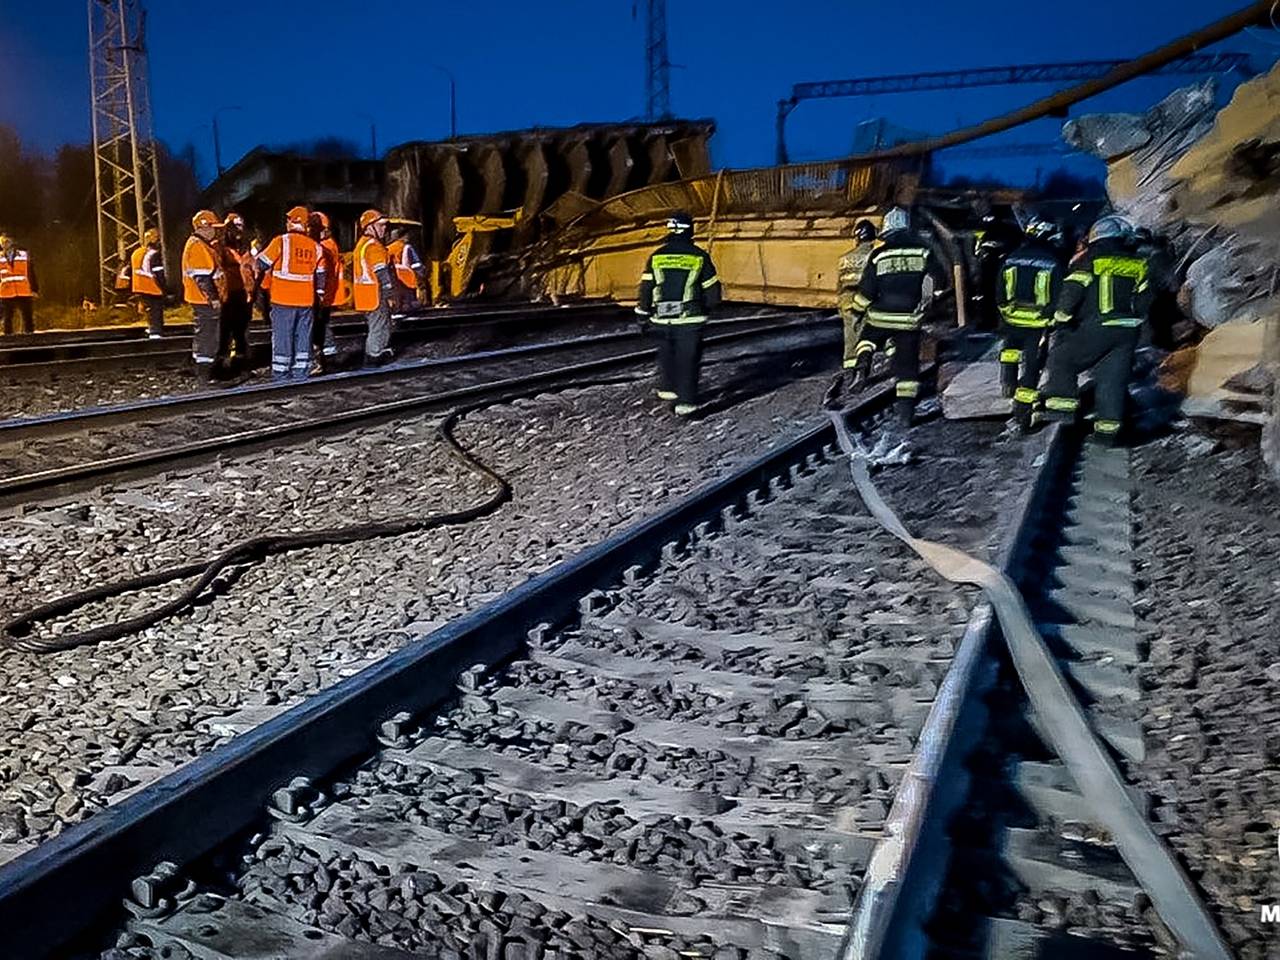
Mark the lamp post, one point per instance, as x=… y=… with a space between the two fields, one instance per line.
x=217 y=139
x=453 y=99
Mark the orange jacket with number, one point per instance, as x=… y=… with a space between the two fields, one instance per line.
x=297 y=269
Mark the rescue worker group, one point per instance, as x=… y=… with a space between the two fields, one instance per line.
x=1060 y=318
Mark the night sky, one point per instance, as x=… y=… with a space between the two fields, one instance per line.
x=302 y=70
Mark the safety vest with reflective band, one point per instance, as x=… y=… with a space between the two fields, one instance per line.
x=679 y=284
x=370 y=254
x=1108 y=286
x=892 y=289
x=200 y=259
x=143 y=263
x=332 y=270
x=1029 y=283
x=405 y=260
x=849 y=272
x=15 y=276
x=297 y=269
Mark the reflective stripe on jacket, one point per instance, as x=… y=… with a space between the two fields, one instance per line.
x=297 y=269
x=15 y=275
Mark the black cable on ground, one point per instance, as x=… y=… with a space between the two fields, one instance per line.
x=17 y=633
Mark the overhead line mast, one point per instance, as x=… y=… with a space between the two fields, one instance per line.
x=126 y=166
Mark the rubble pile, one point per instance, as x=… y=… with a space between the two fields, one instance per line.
x=1208 y=182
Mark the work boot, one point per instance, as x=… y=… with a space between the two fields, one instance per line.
x=1022 y=418
x=685 y=409
x=904 y=411
x=831 y=399
x=861 y=374
x=1008 y=380
x=666 y=395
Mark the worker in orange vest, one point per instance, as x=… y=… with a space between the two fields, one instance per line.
x=146 y=269
x=18 y=287
x=296 y=264
x=322 y=341
x=408 y=266
x=374 y=282
x=237 y=264
x=204 y=287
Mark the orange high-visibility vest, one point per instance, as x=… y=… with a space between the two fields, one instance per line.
x=295 y=262
x=404 y=258
x=369 y=255
x=200 y=259
x=15 y=275
x=333 y=270
x=143 y=263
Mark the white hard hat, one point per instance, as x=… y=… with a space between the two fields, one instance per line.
x=897 y=219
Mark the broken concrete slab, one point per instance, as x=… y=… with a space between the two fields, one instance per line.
x=974 y=393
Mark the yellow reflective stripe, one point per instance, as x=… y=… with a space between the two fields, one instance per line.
x=679 y=320
x=1026 y=395
x=646 y=275
x=1064 y=404
x=1122 y=322
x=1061 y=317
x=1106 y=426
x=708 y=284
x=676 y=261
x=1043 y=277
x=1023 y=317
x=908 y=388
x=1132 y=267
x=1010 y=356
x=864 y=346
x=861 y=301
x=893 y=321
x=1080 y=277
x=1010 y=282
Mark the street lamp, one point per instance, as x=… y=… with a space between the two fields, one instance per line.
x=217 y=140
x=453 y=99
x=373 y=135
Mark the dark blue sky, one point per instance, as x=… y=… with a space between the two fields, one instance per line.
x=305 y=69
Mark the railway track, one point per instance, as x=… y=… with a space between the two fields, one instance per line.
x=60 y=453
x=753 y=725
x=38 y=354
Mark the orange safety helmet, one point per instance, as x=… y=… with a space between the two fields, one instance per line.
x=320 y=219
x=297 y=218
x=369 y=218
x=205 y=218
x=234 y=220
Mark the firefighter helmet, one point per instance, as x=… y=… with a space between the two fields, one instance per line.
x=897 y=219
x=864 y=231
x=1110 y=227
x=680 y=223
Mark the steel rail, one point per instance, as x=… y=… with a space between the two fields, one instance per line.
x=62 y=480
x=31 y=351
x=53 y=424
x=219 y=795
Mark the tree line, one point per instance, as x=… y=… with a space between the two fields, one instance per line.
x=48 y=205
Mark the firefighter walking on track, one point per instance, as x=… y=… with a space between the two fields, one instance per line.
x=678 y=289
x=1029 y=282
x=1100 y=313
x=849 y=273
x=893 y=295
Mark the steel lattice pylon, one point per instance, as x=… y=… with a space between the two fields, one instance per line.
x=125 y=165
x=658 y=67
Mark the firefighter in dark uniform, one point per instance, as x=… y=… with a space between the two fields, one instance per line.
x=1099 y=318
x=1029 y=283
x=678 y=288
x=849 y=273
x=893 y=295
